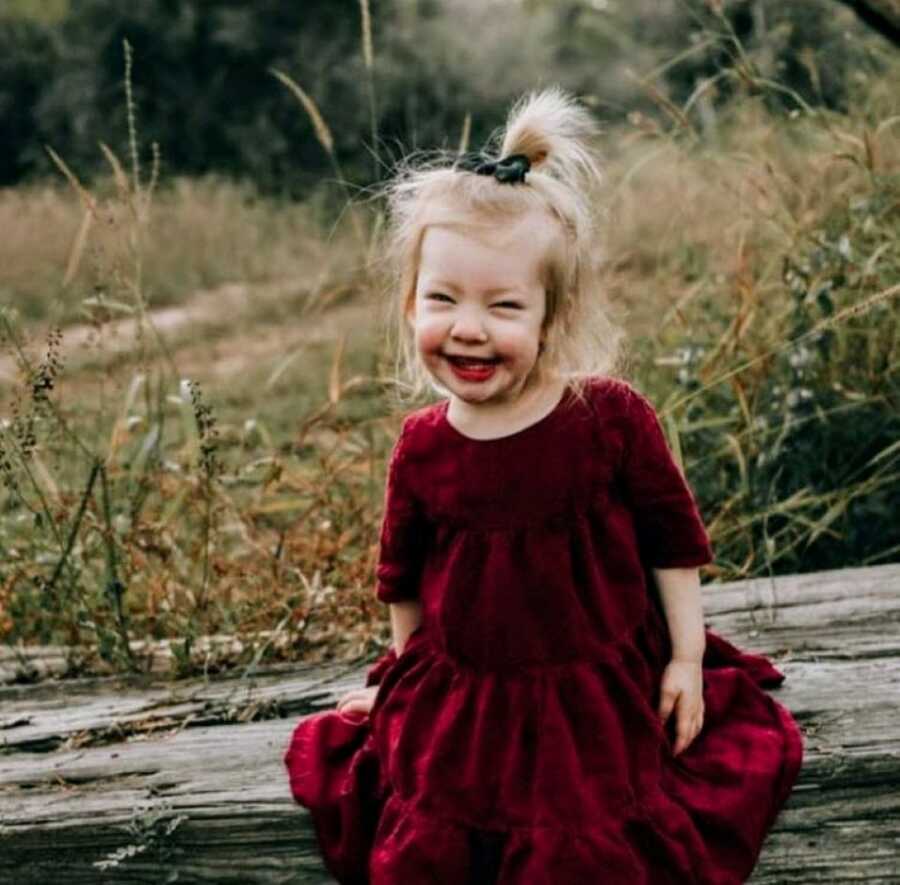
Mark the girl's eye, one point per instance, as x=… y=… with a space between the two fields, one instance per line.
x=509 y=304
x=437 y=296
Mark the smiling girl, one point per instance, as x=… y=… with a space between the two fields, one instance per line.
x=553 y=710
x=477 y=319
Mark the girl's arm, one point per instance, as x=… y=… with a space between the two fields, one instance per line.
x=673 y=543
x=402 y=543
x=679 y=589
x=681 y=687
x=405 y=617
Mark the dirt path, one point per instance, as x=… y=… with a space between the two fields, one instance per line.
x=221 y=332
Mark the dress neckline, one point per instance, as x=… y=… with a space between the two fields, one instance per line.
x=445 y=406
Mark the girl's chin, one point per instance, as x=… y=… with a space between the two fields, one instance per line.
x=475 y=394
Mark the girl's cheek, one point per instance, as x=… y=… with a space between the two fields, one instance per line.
x=428 y=337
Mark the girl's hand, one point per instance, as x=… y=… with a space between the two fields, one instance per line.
x=681 y=688
x=359 y=700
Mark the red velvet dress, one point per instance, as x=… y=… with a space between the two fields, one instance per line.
x=516 y=740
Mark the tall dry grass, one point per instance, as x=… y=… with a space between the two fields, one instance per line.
x=131 y=520
x=760 y=272
x=688 y=220
x=757 y=270
x=200 y=233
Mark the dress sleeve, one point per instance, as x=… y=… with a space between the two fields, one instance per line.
x=403 y=533
x=670 y=531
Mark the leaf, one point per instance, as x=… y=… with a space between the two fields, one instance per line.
x=78 y=248
x=323 y=133
x=334 y=378
x=45 y=477
x=118 y=172
x=121 y=307
x=86 y=198
x=674 y=438
x=282 y=366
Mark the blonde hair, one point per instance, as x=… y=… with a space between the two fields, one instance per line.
x=556 y=134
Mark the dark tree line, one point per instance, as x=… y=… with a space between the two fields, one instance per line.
x=203 y=90
x=201 y=84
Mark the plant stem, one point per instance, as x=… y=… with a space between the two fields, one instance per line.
x=114 y=587
x=73 y=532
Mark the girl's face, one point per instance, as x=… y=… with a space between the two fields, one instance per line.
x=478 y=311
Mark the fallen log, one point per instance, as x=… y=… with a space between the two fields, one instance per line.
x=121 y=780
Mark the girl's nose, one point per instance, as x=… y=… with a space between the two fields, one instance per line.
x=468 y=327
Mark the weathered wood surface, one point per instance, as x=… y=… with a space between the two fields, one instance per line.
x=184 y=783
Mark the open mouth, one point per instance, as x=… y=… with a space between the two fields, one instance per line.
x=472 y=368
x=472 y=361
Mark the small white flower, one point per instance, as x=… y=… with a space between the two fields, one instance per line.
x=795 y=397
x=844 y=247
x=800 y=356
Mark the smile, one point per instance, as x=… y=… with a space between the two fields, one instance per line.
x=472 y=369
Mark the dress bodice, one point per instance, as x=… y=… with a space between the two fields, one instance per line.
x=543 y=534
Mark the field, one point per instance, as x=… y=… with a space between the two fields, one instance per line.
x=199 y=399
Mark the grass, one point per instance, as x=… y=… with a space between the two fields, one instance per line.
x=762 y=273
x=218 y=469
x=200 y=234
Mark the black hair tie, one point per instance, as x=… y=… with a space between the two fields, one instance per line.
x=508 y=170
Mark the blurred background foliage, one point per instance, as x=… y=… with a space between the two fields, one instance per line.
x=204 y=92
x=751 y=251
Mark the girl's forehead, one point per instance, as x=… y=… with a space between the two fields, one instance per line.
x=495 y=232
x=512 y=252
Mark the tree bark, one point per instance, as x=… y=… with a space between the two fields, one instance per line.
x=120 y=781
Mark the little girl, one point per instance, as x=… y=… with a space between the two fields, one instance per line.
x=553 y=710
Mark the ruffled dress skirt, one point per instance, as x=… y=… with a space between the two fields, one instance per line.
x=548 y=775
